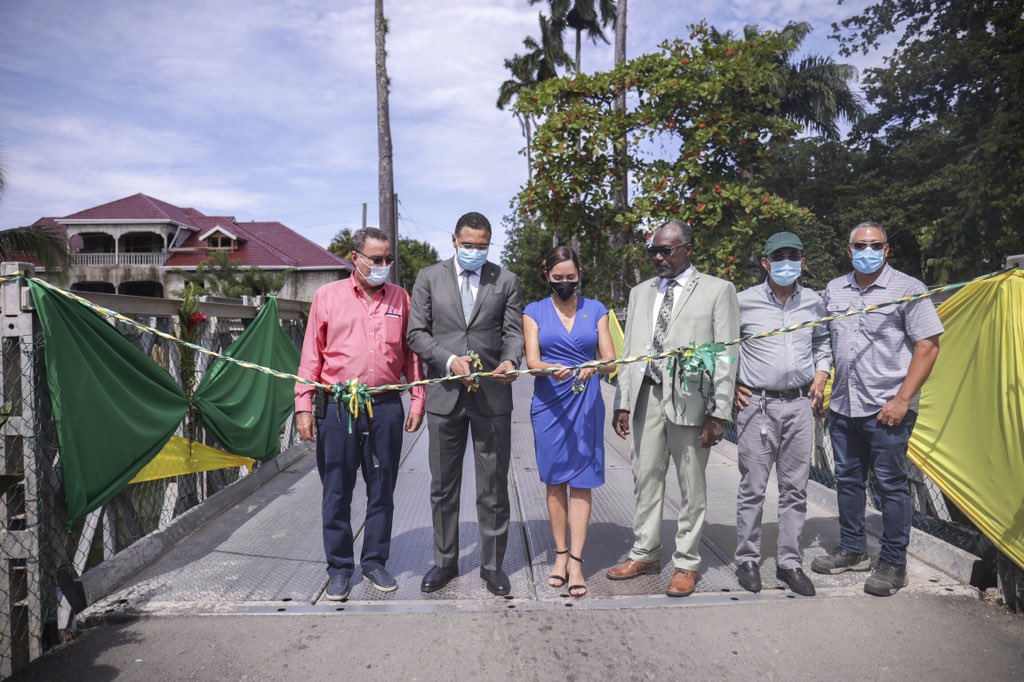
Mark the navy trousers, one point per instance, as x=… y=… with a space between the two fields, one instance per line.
x=339 y=457
x=862 y=444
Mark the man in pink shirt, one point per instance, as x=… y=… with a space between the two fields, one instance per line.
x=357 y=330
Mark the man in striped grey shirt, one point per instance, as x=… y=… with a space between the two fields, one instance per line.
x=780 y=380
x=882 y=358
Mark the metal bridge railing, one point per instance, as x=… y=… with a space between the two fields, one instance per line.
x=39 y=559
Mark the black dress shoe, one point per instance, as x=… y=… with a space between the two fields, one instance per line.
x=437 y=577
x=797 y=580
x=749 y=576
x=497 y=581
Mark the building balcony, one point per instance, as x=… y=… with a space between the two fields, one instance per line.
x=151 y=258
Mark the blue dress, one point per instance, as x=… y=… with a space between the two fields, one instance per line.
x=568 y=428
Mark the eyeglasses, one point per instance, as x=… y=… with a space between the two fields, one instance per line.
x=663 y=251
x=783 y=254
x=378 y=260
x=474 y=247
x=860 y=246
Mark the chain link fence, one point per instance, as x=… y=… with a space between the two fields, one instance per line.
x=40 y=559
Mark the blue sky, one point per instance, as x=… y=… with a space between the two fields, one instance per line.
x=265 y=109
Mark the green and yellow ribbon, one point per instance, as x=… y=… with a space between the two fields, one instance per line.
x=691 y=359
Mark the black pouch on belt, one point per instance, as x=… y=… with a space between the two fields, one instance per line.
x=320 y=403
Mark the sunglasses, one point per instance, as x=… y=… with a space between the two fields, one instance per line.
x=860 y=246
x=378 y=260
x=663 y=251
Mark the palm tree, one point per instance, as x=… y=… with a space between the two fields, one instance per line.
x=590 y=16
x=385 y=164
x=37 y=242
x=815 y=91
x=540 y=63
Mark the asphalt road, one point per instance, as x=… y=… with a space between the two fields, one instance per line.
x=910 y=636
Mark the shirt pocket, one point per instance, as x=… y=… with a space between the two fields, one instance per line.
x=394 y=327
x=884 y=323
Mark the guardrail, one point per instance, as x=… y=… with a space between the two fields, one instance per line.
x=39 y=560
x=148 y=258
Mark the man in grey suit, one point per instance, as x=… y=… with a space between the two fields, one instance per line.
x=670 y=420
x=459 y=305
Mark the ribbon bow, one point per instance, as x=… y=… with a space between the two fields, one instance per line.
x=476 y=366
x=355 y=396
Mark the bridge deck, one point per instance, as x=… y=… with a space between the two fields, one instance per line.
x=265 y=555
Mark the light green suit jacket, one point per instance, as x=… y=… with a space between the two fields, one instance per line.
x=707 y=311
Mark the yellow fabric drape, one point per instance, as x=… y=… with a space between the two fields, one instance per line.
x=176 y=460
x=618 y=337
x=969 y=436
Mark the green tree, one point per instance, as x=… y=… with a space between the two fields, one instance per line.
x=416 y=255
x=815 y=91
x=218 y=275
x=943 y=169
x=703 y=111
x=540 y=62
x=582 y=16
x=341 y=244
x=42 y=243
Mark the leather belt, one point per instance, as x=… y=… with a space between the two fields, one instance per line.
x=784 y=394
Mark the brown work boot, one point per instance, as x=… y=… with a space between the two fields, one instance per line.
x=631 y=569
x=682 y=584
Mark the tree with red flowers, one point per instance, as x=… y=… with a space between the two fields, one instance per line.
x=703 y=116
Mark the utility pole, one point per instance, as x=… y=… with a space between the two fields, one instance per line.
x=395 y=246
x=364 y=215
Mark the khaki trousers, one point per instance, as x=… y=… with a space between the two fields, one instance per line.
x=655 y=441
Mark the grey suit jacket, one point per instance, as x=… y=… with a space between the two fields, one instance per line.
x=707 y=311
x=438 y=330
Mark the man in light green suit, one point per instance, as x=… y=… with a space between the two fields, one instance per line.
x=668 y=420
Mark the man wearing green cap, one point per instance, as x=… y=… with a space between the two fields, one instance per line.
x=780 y=382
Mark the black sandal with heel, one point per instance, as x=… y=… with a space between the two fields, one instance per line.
x=563 y=579
x=577 y=594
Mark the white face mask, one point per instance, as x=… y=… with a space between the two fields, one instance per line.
x=378 y=273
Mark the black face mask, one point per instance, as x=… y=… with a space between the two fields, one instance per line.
x=565 y=290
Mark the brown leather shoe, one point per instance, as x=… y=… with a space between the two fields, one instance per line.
x=683 y=583
x=631 y=569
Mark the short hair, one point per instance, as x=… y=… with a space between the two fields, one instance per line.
x=685 y=230
x=361 y=235
x=866 y=224
x=554 y=256
x=475 y=221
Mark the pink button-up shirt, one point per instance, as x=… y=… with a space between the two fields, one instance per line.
x=348 y=336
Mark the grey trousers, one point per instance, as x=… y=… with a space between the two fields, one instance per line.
x=492 y=447
x=780 y=433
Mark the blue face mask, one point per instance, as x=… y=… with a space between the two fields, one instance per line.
x=471 y=259
x=785 y=272
x=868 y=261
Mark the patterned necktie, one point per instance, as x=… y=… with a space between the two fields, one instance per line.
x=467 y=296
x=656 y=369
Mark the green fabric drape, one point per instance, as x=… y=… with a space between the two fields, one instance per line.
x=114 y=408
x=244 y=409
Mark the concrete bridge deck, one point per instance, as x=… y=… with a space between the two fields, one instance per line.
x=258 y=569
x=265 y=555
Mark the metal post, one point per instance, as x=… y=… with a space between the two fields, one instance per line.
x=29 y=510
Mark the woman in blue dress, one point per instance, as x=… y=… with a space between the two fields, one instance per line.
x=562 y=330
